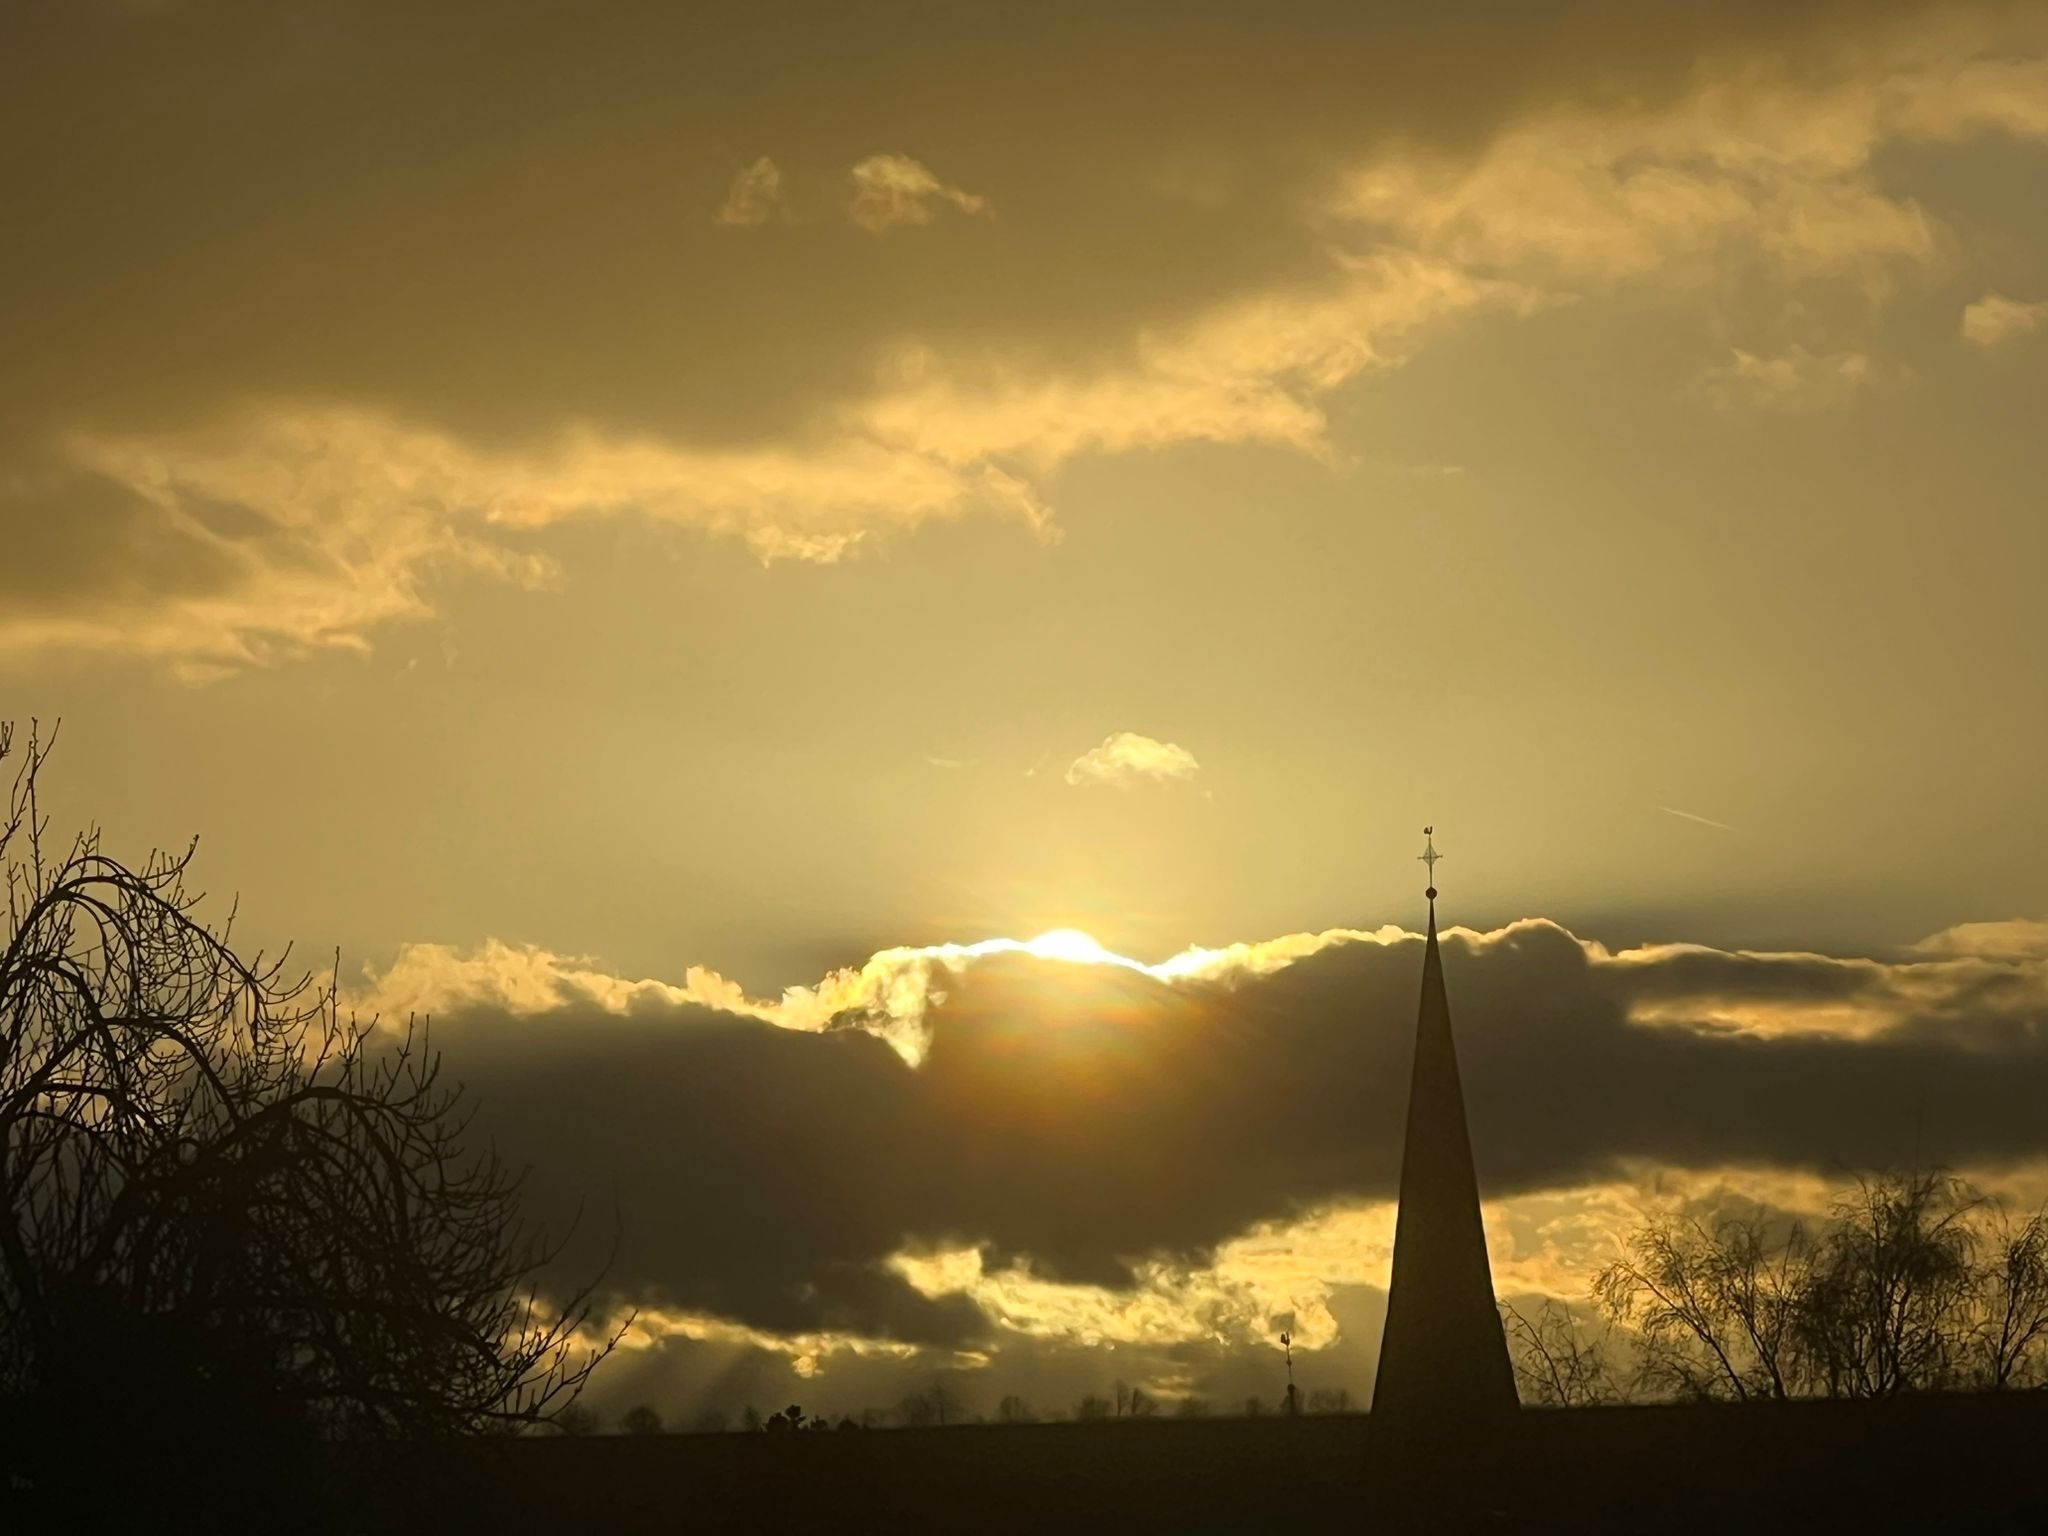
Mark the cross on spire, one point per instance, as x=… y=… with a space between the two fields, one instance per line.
x=1429 y=856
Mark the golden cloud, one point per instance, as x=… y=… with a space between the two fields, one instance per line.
x=1751 y=166
x=1793 y=380
x=809 y=1353
x=374 y=508
x=2013 y=938
x=1750 y=161
x=892 y=191
x=310 y=549
x=1281 y=1274
x=1994 y=319
x=755 y=196
x=889 y=995
x=1770 y=994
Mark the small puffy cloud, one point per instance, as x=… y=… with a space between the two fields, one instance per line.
x=1994 y=319
x=890 y=191
x=1127 y=758
x=1794 y=380
x=756 y=196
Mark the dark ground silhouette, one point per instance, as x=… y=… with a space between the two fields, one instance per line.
x=1942 y=1463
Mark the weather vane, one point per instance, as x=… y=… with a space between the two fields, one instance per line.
x=1429 y=856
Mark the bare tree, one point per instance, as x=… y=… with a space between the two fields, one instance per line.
x=2011 y=1334
x=1014 y=1410
x=213 y=1189
x=1558 y=1363
x=1892 y=1287
x=1717 y=1309
x=1914 y=1282
x=919 y=1410
x=641 y=1420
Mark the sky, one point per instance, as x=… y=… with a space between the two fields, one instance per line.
x=679 y=540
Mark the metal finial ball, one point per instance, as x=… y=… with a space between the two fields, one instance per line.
x=1430 y=893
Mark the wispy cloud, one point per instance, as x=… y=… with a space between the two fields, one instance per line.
x=1792 y=380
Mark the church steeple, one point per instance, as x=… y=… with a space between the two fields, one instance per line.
x=1443 y=1352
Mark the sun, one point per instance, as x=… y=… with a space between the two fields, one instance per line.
x=1069 y=944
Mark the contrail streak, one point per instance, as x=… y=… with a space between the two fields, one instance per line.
x=1705 y=821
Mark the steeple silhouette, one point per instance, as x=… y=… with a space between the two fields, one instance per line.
x=1443 y=1353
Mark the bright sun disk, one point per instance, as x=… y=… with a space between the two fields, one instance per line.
x=1069 y=944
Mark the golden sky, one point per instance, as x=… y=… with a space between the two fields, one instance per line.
x=557 y=495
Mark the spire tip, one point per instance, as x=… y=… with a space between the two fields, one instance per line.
x=1429 y=856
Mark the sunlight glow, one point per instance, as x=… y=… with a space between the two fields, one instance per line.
x=1073 y=945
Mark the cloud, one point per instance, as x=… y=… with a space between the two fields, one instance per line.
x=887 y=996
x=376 y=509
x=892 y=191
x=1250 y=369
x=1994 y=319
x=1751 y=171
x=2016 y=938
x=119 y=551
x=1793 y=380
x=1756 y=163
x=755 y=196
x=790 y=1167
x=292 y=530
x=1126 y=759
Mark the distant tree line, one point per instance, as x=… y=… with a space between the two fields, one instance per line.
x=1912 y=1282
x=936 y=1406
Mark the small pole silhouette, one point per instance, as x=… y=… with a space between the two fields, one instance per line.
x=1287 y=1345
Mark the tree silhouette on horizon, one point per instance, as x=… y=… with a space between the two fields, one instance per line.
x=230 y=1215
